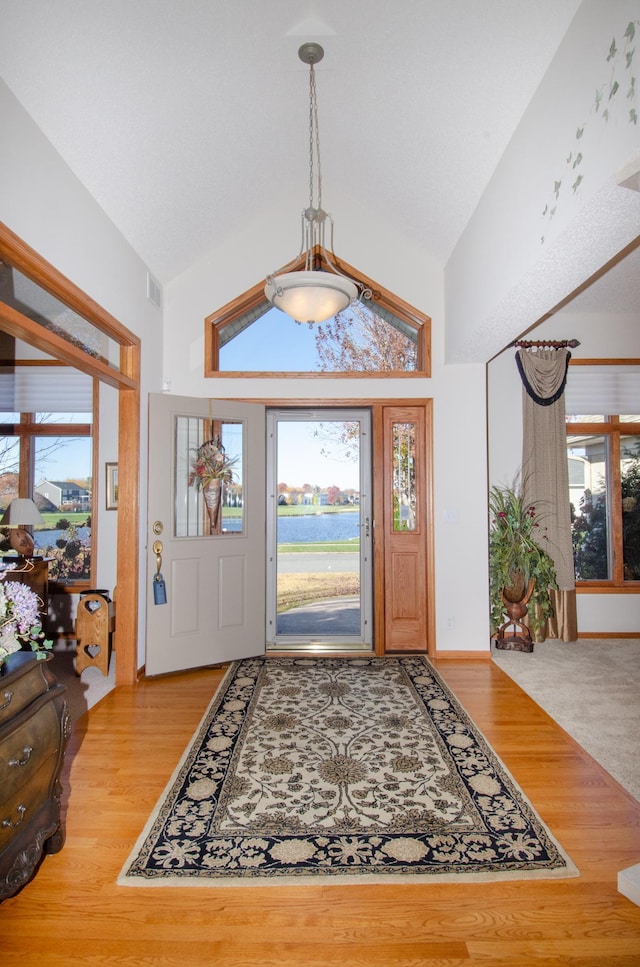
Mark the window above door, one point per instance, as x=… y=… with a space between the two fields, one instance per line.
x=378 y=336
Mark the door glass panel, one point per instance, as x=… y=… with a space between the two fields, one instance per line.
x=208 y=482
x=404 y=476
x=318 y=531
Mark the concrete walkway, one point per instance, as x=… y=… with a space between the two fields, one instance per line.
x=337 y=616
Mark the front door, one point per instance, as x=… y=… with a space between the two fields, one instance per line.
x=205 y=565
x=319 y=530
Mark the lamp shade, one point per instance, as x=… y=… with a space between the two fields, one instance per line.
x=310 y=296
x=21 y=513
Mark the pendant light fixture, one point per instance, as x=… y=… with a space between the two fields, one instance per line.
x=311 y=294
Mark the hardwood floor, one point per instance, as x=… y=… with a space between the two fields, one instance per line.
x=121 y=756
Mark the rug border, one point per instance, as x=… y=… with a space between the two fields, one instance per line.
x=123 y=879
x=568 y=872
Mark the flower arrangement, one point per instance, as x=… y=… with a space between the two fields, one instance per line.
x=20 y=621
x=211 y=463
x=516 y=553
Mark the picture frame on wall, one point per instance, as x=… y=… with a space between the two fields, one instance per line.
x=112 y=485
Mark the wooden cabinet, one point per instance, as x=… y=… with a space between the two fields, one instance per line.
x=34 y=730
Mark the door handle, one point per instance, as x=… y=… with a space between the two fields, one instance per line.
x=157 y=550
x=366 y=527
x=159 y=586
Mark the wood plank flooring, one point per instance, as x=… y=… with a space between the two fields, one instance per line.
x=121 y=756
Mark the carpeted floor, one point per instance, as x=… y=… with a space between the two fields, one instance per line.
x=591 y=687
x=313 y=770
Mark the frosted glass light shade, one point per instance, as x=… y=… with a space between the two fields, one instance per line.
x=310 y=296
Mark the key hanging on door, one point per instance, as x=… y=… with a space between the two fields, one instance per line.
x=159 y=587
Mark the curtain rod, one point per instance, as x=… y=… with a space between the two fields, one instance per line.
x=554 y=343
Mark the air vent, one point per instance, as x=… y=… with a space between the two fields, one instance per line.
x=154 y=291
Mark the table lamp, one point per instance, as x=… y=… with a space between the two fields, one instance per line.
x=20 y=514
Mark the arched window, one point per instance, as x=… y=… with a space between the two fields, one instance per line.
x=381 y=335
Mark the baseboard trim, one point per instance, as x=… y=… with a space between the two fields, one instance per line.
x=462 y=655
x=608 y=634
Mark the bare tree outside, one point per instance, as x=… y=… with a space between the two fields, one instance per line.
x=358 y=340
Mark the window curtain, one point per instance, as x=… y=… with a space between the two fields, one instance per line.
x=545 y=478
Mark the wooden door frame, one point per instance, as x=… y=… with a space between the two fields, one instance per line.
x=126 y=380
x=377 y=408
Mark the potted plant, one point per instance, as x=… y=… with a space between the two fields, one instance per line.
x=20 y=620
x=210 y=468
x=521 y=571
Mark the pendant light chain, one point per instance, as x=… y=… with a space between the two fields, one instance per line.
x=319 y=291
x=314 y=139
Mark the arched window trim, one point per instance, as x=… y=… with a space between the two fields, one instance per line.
x=254 y=299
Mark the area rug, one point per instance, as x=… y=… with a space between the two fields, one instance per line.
x=333 y=770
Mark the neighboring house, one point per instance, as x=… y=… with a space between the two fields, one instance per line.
x=319 y=499
x=64 y=494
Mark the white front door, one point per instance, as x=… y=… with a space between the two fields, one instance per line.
x=213 y=574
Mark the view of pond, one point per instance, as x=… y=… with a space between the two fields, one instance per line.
x=48 y=538
x=309 y=528
x=305 y=529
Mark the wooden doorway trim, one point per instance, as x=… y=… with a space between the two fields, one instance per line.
x=17 y=253
x=403 y=529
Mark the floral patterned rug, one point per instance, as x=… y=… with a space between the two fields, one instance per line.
x=338 y=769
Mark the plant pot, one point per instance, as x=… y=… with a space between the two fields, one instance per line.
x=513 y=635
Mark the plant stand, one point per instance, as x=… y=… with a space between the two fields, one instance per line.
x=520 y=637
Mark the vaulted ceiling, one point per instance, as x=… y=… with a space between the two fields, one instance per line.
x=187 y=118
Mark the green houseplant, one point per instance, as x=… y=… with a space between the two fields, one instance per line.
x=517 y=558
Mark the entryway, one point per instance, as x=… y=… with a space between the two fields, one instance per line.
x=215 y=606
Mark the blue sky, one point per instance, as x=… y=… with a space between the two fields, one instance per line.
x=71 y=461
x=272 y=343
x=300 y=460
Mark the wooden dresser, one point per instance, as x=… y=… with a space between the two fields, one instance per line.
x=34 y=731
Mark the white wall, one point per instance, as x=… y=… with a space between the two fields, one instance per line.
x=44 y=203
x=515 y=262
x=458 y=391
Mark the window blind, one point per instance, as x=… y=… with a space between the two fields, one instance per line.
x=603 y=391
x=45 y=389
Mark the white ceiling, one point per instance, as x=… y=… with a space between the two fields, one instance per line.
x=185 y=119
